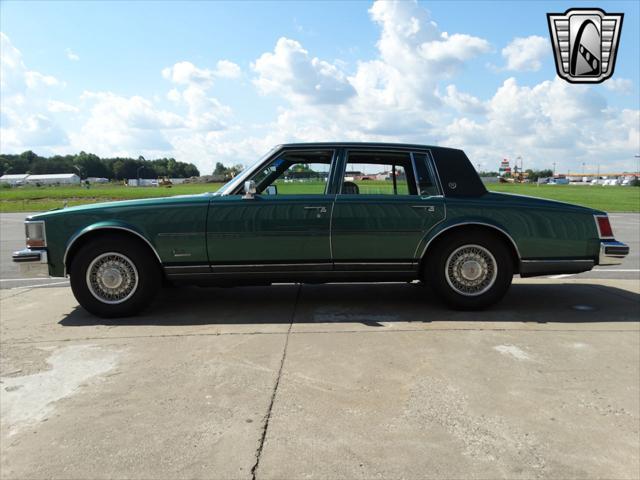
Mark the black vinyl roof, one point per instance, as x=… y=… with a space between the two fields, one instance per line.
x=359 y=144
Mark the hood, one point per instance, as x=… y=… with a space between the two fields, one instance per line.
x=122 y=204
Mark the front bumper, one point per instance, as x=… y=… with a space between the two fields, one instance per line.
x=33 y=263
x=612 y=252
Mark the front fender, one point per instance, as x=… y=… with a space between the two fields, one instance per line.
x=115 y=225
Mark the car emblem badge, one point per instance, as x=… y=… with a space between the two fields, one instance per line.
x=585 y=43
x=452 y=185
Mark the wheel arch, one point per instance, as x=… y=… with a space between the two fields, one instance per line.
x=90 y=232
x=473 y=226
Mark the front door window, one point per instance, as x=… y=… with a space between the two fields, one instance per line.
x=295 y=173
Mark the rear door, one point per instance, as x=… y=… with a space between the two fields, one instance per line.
x=286 y=224
x=387 y=202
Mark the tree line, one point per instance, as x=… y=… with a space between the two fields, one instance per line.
x=90 y=165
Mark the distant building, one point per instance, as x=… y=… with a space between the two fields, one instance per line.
x=142 y=182
x=54 y=179
x=97 y=180
x=14 y=179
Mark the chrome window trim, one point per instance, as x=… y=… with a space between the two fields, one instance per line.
x=44 y=230
x=415 y=173
x=424 y=251
x=77 y=236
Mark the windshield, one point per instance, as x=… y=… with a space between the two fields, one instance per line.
x=230 y=185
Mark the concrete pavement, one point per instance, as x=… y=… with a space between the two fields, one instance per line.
x=333 y=381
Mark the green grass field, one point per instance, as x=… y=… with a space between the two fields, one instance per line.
x=32 y=199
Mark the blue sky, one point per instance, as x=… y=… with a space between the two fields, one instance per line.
x=145 y=78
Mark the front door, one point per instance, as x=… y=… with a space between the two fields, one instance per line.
x=387 y=203
x=285 y=224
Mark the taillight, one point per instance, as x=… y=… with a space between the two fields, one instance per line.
x=604 y=227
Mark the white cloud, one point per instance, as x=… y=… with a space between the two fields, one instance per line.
x=619 y=85
x=37 y=79
x=227 y=69
x=289 y=71
x=186 y=73
x=526 y=54
x=119 y=125
x=71 y=55
x=406 y=92
x=56 y=106
x=551 y=121
x=463 y=102
x=23 y=103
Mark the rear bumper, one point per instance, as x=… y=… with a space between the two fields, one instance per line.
x=34 y=263
x=612 y=252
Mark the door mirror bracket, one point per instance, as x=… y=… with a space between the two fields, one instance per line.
x=249 y=190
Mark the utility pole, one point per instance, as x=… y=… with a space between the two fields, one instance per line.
x=583 y=169
x=554 y=169
x=638 y=164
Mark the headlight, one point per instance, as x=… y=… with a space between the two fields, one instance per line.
x=35 y=234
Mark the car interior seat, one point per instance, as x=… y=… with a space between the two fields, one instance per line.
x=350 y=188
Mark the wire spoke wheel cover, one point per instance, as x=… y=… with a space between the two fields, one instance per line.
x=471 y=270
x=112 y=278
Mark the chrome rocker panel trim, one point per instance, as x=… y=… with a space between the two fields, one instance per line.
x=536 y=268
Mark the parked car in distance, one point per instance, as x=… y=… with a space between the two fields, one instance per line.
x=323 y=212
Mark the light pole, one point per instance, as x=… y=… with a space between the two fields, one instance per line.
x=638 y=164
x=554 y=169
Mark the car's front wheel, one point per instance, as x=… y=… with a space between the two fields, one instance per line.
x=470 y=271
x=114 y=276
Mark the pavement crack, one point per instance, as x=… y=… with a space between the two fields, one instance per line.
x=267 y=417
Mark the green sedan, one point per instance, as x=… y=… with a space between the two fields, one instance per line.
x=322 y=212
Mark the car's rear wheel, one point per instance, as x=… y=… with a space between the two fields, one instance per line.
x=114 y=276
x=470 y=271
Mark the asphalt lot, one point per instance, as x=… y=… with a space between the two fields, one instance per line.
x=327 y=381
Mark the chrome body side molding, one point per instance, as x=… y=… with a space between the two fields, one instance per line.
x=536 y=268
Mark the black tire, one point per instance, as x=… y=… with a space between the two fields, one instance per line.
x=445 y=275
x=126 y=259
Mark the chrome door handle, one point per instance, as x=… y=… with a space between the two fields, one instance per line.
x=320 y=209
x=428 y=208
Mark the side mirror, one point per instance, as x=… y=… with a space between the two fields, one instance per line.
x=249 y=189
x=271 y=190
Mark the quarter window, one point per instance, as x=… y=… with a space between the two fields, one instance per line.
x=426 y=182
x=378 y=173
